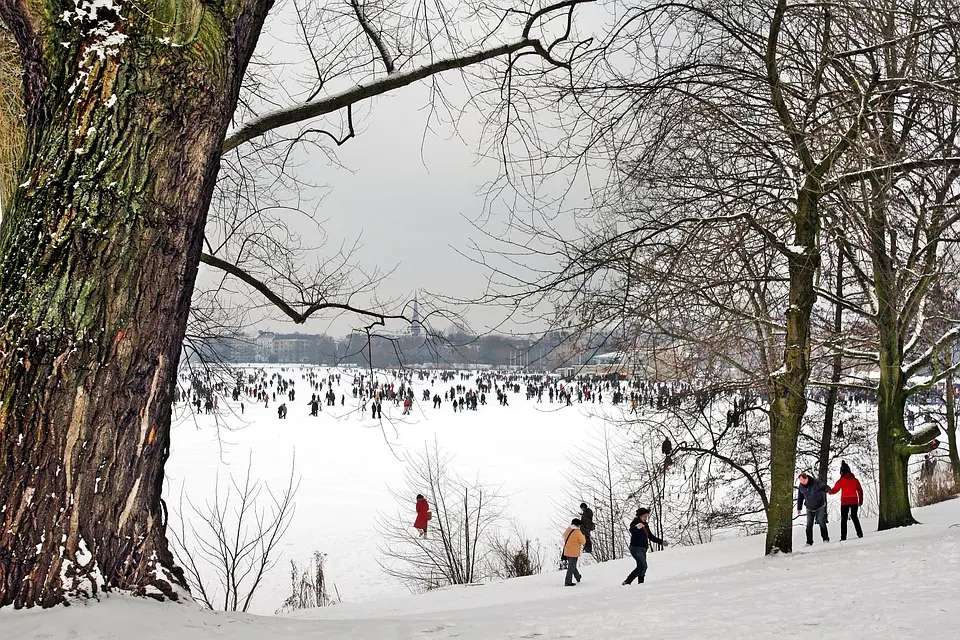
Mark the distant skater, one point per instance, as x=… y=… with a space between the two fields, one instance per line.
x=640 y=537
x=851 y=499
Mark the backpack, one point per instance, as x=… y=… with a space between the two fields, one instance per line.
x=563 y=557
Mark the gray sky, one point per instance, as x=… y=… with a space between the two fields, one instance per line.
x=409 y=192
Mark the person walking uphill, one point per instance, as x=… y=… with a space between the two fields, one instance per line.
x=587 y=526
x=814 y=493
x=640 y=537
x=423 y=515
x=573 y=539
x=851 y=498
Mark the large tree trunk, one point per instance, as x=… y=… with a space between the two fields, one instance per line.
x=894 y=489
x=788 y=402
x=891 y=400
x=895 y=444
x=99 y=254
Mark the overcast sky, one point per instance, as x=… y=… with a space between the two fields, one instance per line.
x=409 y=192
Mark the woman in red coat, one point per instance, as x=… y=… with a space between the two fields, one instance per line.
x=851 y=497
x=423 y=515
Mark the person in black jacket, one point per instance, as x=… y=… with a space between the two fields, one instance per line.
x=587 y=526
x=640 y=537
x=814 y=493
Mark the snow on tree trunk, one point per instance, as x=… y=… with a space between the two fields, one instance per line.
x=895 y=444
x=788 y=403
x=99 y=253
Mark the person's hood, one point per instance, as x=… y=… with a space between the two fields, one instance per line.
x=848 y=475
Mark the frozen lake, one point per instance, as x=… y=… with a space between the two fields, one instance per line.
x=348 y=464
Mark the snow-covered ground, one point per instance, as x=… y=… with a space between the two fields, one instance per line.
x=899 y=584
x=348 y=464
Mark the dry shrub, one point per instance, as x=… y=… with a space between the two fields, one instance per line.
x=308 y=586
x=936 y=487
x=515 y=557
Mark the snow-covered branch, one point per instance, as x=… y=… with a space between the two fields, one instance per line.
x=912 y=368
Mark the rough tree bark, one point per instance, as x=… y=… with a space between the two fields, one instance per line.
x=895 y=444
x=98 y=257
x=788 y=402
x=11 y=106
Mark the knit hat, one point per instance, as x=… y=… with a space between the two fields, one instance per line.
x=844 y=467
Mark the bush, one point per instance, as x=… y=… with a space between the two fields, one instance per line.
x=466 y=519
x=308 y=586
x=935 y=487
x=515 y=558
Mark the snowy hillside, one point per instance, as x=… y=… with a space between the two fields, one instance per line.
x=899 y=584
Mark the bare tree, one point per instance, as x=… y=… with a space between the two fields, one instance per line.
x=466 y=519
x=308 y=585
x=514 y=555
x=600 y=476
x=229 y=543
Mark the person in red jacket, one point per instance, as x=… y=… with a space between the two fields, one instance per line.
x=851 y=498
x=423 y=515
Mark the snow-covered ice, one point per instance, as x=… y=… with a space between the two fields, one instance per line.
x=899 y=584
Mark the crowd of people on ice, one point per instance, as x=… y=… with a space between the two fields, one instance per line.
x=464 y=391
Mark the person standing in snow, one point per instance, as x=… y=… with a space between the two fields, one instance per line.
x=640 y=537
x=814 y=493
x=851 y=498
x=587 y=526
x=573 y=539
x=423 y=515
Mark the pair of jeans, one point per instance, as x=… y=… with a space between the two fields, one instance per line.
x=820 y=517
x=571 y=571
x=851 y=511
x=640 y=557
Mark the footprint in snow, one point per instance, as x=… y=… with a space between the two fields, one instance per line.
x=436 y=629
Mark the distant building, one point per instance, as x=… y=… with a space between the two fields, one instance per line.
x=294 y=348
